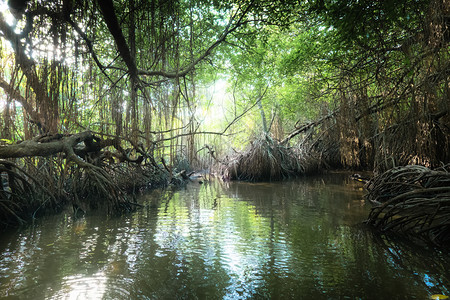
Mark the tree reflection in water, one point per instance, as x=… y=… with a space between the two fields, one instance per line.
x=302 y=238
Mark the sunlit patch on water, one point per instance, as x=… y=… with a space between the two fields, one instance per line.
x=80 y=286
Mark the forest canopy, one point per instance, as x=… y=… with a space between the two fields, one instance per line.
x=177 y=85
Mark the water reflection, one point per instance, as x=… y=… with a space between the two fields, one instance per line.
x=300 y=239
x=82 y=287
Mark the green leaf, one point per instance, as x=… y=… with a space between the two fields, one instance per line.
x=9 y=142
x=438 y=296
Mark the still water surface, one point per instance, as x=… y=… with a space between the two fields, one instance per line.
x=300 y=239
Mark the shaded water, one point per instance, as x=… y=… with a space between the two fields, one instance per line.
x=301 y=239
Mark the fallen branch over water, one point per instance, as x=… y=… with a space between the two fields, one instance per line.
x=412 y=200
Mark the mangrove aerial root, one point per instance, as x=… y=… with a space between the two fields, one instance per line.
x=93 y=173
x=264 y=159
x=21 y=194
x=412 y=200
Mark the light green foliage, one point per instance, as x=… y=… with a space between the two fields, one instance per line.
x=296 y=59
x=291 y=63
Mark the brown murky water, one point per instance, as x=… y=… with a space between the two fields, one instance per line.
x=300 y=239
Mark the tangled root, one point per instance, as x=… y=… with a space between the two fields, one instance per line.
x=412 y=200
x=264 y=159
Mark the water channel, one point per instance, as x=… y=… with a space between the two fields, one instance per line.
x=301 y=239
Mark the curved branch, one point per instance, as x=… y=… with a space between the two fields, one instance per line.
x=89 y=45
x=185 y=70
x=107 y=9
x=37 y=148
x=14 y=93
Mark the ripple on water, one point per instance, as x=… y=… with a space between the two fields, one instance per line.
x=96 y=286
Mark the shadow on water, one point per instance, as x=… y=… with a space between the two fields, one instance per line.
x=290 y=240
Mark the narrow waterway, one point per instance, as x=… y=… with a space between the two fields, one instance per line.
x=301 y=239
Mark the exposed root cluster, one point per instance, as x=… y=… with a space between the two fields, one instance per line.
x=412 y=200
x=264 y=159
x=21 y=195
x=133 y=178
x=79 y=169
